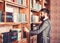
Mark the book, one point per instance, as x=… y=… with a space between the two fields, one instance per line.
x=19 y=2
x=19 y=32
x=0 y=16
x=9 y=8
x=9 y=17
x=15 y=17
x=31 y=3
x=37 y=6
x=22 y=18
x=34 y=18
x=24 y=2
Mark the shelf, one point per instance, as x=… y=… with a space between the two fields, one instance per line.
x=34 y=10
x=15 y=4
x=7 y=23
x=11 y=23
x=22 y=6
x=36 y=22
x=2 y=23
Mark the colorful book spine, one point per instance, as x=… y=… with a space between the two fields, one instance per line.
x=19 y=2
x=0 y=16
x=22 y=18
x=15 y=17
x=24 y=2
x=35 y=18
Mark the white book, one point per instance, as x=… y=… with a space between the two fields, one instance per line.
x=8 y=8
x=19 y=2
x=24 y=2
x=40 y=7
x=15 y=17
x=34 y=4
x=22 y=18
x=35 y=18
x=31 y=6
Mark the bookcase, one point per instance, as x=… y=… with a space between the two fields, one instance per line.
x=21 y=13
x=35 y=7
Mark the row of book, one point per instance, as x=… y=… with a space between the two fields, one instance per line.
x=21 y=2
x=34 y=18
x=35 y=5
x=10 y=17
x=14 y=34
x=13 y=14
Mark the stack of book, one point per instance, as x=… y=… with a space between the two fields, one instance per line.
x=9 y=17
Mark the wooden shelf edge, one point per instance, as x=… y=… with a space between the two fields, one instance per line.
x=11 y=23
x=36 y=22
x=34 y=10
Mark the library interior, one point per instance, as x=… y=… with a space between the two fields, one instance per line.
x=17 y=14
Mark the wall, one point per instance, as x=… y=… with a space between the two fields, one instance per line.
x=55 y=21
